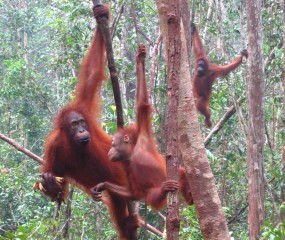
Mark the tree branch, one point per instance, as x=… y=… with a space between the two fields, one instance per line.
x=153 y=70
x=21 y=148
x=104 y=28
x=152 y=229
x=116 y=20
x=236 y=217
x=231 y=111
x=135 y=21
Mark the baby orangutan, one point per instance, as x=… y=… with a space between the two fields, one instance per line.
x=145 y=166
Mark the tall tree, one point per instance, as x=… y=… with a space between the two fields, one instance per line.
x=190 y=139
x=255 y=93
x=173 y=48
x=203 y=188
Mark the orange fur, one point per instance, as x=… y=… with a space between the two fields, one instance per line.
x=87 y=165
x=202 y=84
x=145 y=166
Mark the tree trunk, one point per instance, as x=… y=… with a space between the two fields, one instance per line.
x=255 y=95
x=67 y=214
x=283 y=148
x=173 y=49
x=185 y=15
x=204 y=192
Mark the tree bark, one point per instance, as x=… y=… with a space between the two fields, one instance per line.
x=185 y=15
x=173 y=48
x=208 y=206
x=67 y=215
x=21 y=149
x=256 y=87
x=204 y=192
x=104 y=27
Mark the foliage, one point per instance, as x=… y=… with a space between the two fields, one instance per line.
x=189 y=228
x=273 y=232
x=41 y=46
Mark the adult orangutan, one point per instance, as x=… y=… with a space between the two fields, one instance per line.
x=206 y=73
x=77 y=148
x=145 y=167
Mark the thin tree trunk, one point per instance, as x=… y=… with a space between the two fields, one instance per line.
x=171 y=36
x=241 y=12
x=283 y=148
x=153 y=69
x=256 y=87
x=169 y=14
x=209 y=16
x=67 y=214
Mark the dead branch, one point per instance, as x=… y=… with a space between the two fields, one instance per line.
x=116 y=19
x=135 y=21
x=152 y=229
x=231 y=111
x=236 y=217
x=21 y=148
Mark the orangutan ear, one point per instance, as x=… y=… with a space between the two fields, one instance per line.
x=126 y=139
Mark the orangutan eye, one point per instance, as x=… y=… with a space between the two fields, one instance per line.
x=83 y=123
x=73 y=124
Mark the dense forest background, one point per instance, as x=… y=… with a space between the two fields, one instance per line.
x=41 y=46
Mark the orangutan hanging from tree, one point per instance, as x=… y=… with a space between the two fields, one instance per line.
x=206 y=73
